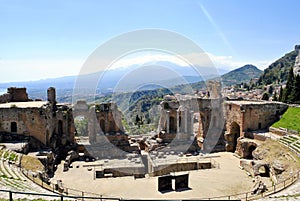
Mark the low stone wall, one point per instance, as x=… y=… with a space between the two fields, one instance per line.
x=278 y=131
x=138 y=172
x=259 y=137
x=160 y=170
x=283 y=131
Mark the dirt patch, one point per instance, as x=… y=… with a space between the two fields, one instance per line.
x=31 y=163
x=271 y=151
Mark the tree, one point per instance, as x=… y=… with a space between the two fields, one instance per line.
x=138 y=120
x=270 y=90
x=280 y=94
x=81 y=125
x=275 y=97
x=265 y=96
x=289 y=87
x=295 y=94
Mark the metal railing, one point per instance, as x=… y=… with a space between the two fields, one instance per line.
x=61 y=197
x=70 y=193
x=250 y=196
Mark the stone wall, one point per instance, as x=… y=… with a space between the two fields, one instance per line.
x=165 y=169
x=18 y=94
x=251 y=116
x=50 y=124
x=5 y=98
x=14 y=95
x=242 y=117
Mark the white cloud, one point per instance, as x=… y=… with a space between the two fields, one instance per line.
x=229 y=63
x=147 y=58
x=220 y=61
x=26 y=70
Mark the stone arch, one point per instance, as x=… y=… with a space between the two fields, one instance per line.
x=251 y=148
x=262 y=170
x=235 y=132
x=81 y=125
x=13 y=127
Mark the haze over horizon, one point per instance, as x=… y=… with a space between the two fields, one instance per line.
x=50 y=39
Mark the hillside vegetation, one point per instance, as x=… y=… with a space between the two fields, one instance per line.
x=278 y=71
x=290 y=119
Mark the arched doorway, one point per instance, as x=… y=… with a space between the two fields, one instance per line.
x=172 y=125
x=81 y=125
x=264 y=171
x=13 y=127
x=102 y=125
x=235 y=132
x=60 y=130
x=250 y=150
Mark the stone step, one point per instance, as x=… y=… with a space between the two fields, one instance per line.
x=10 y=170
x=4 y=170
x=19 y=173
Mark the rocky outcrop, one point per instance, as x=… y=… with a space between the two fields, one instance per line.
x=297 y=64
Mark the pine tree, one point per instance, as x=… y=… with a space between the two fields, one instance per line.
x=265 y=96
x=295 y=94
x=275 y=96
x=280 y=94
x=271 y=89
x=289 y=87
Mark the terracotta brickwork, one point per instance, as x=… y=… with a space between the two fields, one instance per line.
x=49 y=123
x=243 y=117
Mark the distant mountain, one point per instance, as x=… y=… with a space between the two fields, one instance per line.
x=242 y=74
x=148 y=76
x=278 y=71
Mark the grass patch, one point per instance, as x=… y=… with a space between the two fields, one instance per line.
x=290 y=119
x=13 y=156
x=31 y=163
x=6 y=154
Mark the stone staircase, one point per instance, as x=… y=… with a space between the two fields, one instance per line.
x=12 y=177
x=292 y=141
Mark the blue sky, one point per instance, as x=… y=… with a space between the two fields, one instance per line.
x=42 y=39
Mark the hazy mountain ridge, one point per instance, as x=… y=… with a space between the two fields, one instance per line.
x=135 y=77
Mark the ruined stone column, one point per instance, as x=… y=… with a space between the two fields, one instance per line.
x=185 y=121
x=168 y=121
x=177 y=120
x=191 y=126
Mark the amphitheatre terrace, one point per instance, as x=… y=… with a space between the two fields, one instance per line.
x=211 y=147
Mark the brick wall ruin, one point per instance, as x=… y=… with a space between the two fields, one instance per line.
x=14 y=95
x=49 y=123
x=242 y=117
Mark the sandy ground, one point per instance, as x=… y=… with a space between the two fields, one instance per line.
x=227 y=180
